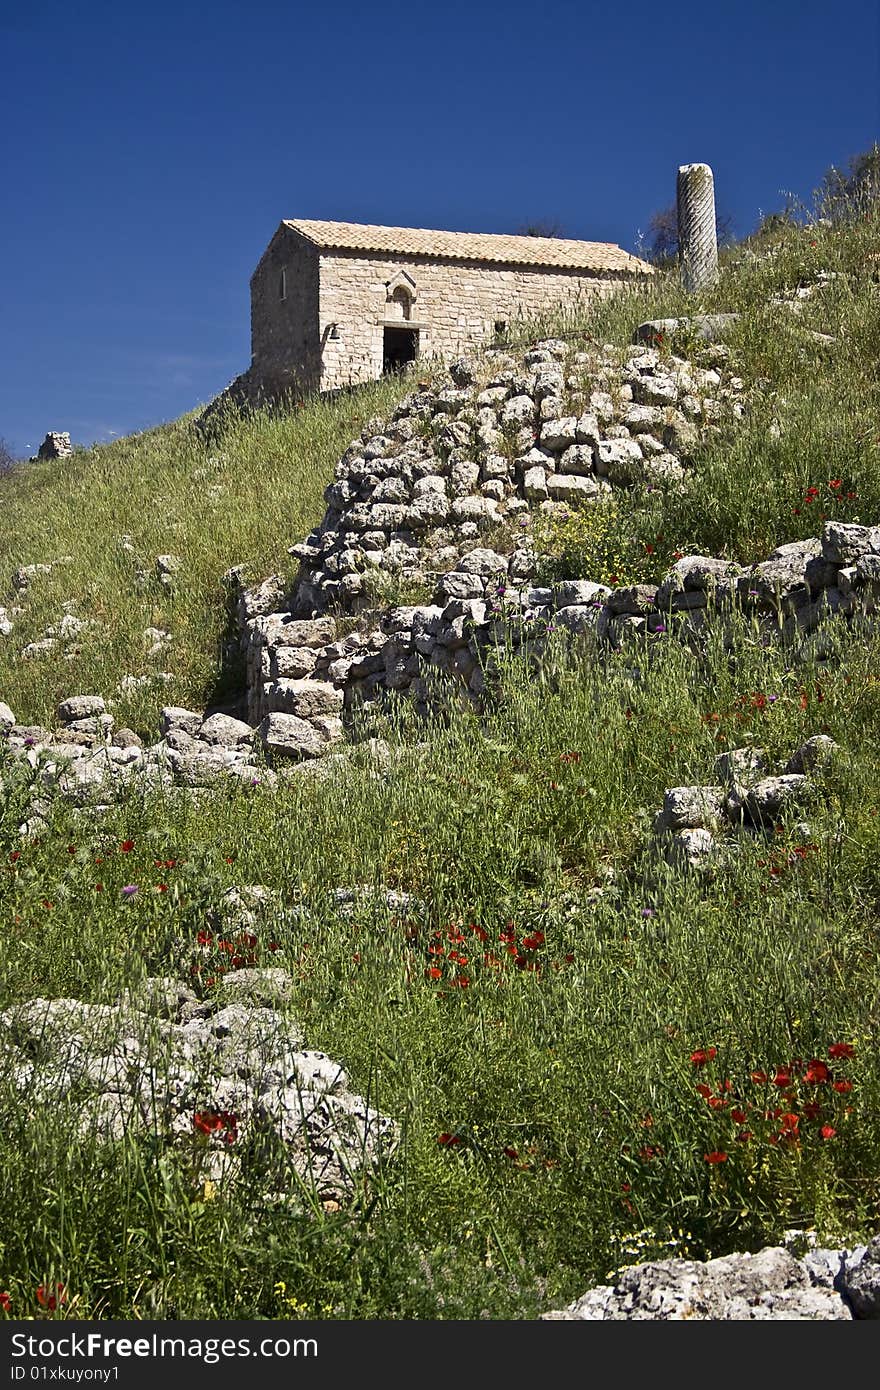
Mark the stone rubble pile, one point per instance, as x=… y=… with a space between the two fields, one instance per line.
x=837 y=1285
x=552 y=430
x=745 y=799
x=229 y=1077
x=90 y=763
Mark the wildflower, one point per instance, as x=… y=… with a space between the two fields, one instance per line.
x=126 y=847
x=651 y=912
x=704 y=1091
x=448 y=1141
x=790 y=1123
x=782 y=1077
x=841 y=1050
x=703 y=1055
x=5 y=1302
x=842 y=1087
x=716 y=1156
x=817 y=1072
x=739 y=1116
x=128 y=890
x=434 y=972
x=744 y=1136
x=49 y=1300
x=812 y=1110
x=511 y=1152
x=15 y=856
x=828 y=1131
x=835 y=482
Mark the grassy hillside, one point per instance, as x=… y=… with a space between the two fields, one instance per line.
x=239 y=500
x=541 y=1020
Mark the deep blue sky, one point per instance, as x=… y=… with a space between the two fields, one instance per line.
x=152 y=149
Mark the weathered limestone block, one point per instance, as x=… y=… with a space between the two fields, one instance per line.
x=304 y=698
x=573 y=488
x=287 y=736
x=690 y=808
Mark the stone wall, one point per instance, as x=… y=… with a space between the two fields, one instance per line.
x=284 y=332
x=456 y=306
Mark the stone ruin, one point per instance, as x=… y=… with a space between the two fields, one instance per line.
x=56 y=445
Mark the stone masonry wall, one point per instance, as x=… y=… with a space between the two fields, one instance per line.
x=284 y=332
x=457 y=305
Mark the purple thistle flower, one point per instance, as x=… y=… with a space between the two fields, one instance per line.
x=649 y=912
x=129 y=890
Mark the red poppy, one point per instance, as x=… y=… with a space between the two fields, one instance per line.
x=5 y=1302
x=434 y=972
x=739 y=1116
x=51 y=1300
x=812 y=1110
x=759 y=1078
x=828 y=1131
x=843 y=1086
x=717 y=1156
x=744 y=1136
x=782 y=1078
x=207 y=1121
x=511 y=1152
x=448 y=1141
x=703 y=1055
x=790 y=1122
x=835 y=482
x=126 y=847
x=817 y=1072
x=841 y=1050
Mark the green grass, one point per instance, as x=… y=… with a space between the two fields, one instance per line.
x=570 y=1088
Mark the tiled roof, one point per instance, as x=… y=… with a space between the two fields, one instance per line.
x=600 y=257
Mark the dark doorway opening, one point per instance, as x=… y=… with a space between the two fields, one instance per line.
x=401 y=345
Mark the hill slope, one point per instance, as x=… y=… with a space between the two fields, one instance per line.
x=591 y=1054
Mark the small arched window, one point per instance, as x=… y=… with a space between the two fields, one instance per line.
x=401 y=303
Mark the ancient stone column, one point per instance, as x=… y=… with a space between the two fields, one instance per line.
x=697 y=244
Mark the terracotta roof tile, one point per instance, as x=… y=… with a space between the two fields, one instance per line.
x=600 y=257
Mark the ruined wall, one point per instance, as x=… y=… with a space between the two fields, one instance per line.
x=284 y=332
x=456 y=305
